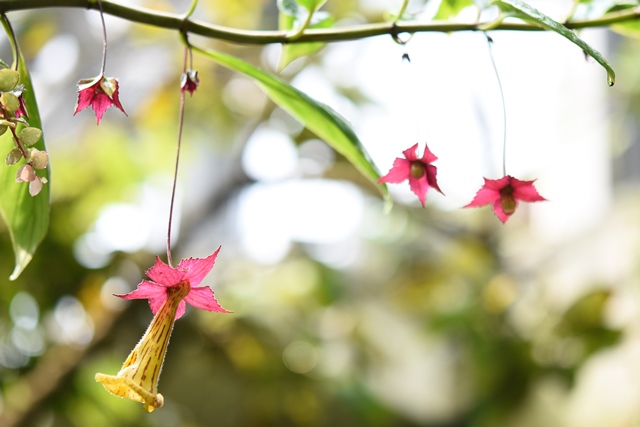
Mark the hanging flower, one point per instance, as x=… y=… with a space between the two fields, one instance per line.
x=22 y=109
x=419 y=171
x=504 y=194
x=100 y=93
x=167 y=292
x=189 y=81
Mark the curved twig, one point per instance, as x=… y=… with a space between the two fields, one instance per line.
x=177 y=22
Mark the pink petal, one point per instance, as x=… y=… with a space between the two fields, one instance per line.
x=431 y=178
x=410 y=153
x=100 y=103
x=428 y=156
x=145 y=290
x=156 y=294
x=525 y=191
x=116 y=100
x=400 y=171
x=497 y=209
x=497 y=184
x=164 y=275
x=195 y=269
x=419 y=187
x=202 y=297
x=156 y=303
x=85 y=97
x=484 y=196
x=182 y=307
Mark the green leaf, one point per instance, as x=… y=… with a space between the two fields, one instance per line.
x=317 y=117
x=526 y=12
x=27 y=217
x=629 y=28
x=451 y=8
x=291 y=52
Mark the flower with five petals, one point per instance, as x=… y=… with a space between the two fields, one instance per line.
x=504 y=194
x=163 y=278
x=419 y=171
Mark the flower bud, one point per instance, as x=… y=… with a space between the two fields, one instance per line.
x=8 y=79
x=189 y=81
x=3 y=129
x=10 y=102
x=38 y=159
x=13 y=157
x=29 y=136
x=25 y=174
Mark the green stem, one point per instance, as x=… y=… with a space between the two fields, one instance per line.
x=187 y=50
x=177 y=22
x=104 y=39
x=572 y=11
x=405 y=3
x=504 y=108
x=300 y=31
x=192 y=8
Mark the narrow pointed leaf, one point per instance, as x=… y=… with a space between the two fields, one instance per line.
x=26 y=217
x=317 y=117
x=529 y=13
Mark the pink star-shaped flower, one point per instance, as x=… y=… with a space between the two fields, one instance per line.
x=100 y=93
x=191 y=272
x=504 y=194
x=419 y=171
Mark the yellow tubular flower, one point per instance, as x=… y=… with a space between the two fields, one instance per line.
x=138 y=377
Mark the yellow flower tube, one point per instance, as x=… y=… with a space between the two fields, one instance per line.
x=138 y=377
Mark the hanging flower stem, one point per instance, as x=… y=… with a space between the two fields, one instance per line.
x=104 y=39
x=504 y=108
x=175 y=173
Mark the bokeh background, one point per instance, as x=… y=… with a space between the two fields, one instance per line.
x=343 y=315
